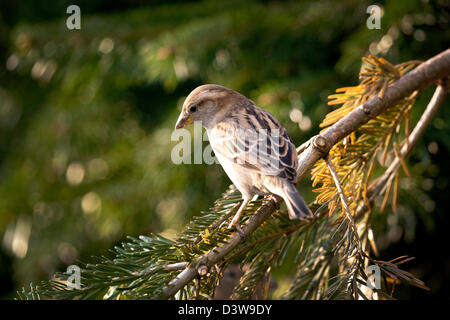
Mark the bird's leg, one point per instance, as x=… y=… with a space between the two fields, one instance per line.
x=235 y=221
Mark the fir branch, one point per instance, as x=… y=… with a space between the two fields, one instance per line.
x=432 y=70
x=218 y=253
x=431 y=109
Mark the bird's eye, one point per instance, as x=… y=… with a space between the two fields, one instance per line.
x=193 y=108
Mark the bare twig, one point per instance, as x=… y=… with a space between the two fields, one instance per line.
x=303 y=146
x=176 y=266
x=343 y=200
x=432 y=70
x=197 y=288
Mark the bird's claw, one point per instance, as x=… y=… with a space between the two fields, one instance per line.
x=237 y=226
x=276 y=200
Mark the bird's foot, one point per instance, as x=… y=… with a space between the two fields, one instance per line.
x=237 y=226
x=276 y=200
x=309 y=218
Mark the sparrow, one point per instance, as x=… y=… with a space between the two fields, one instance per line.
x=253 y=148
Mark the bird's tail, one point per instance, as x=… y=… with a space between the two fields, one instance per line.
x=297 y=207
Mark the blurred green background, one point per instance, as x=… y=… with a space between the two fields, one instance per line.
x=86 y=117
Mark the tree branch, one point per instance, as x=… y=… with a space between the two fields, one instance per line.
x=431 y=109
x=212 y=257
x=432 y=70
x=343 y=200
x=176 y=266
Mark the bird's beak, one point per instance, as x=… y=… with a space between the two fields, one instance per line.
x=183 y=121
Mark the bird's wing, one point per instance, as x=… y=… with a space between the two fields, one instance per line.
x=254 y=139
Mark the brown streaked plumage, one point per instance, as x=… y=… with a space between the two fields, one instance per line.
x=253 y=148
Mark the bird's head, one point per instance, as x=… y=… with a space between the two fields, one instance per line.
x=205 y=103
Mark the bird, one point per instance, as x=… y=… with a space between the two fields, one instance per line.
x=251 y=145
